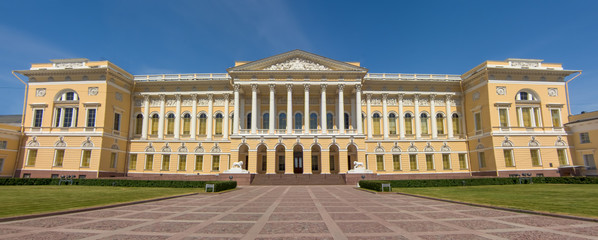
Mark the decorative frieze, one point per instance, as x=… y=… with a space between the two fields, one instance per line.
x=170 y=102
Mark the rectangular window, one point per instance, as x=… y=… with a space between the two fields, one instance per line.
x=1 y=164
x=149 y=161
x=198 y=162
x=413 y=162
x=482 y=159
x=562 y=154
x=3 y=144
x=91 y=117
x=380 y=162
x=165 y=162
x=215 y=163
x=537 y=117
x=526 y=117
x=536 y=160
x=27 y=175
x=68 y=117
x=477 y=118
x=392 y=125
x=429 y=162
x=117 y=121
x=456 y=125
x=332 y=167
x=54 y=176
x=396 y=162
x=182 y=162
x=133 y=162
x=57 y=117
x=556 y=117
x=85 y=158
x=462 y=161
x=440 y=125
x=218 y=130
x=588 y=160
x=446 y=161
x=31 y=157
x=503 y=117
x=281 y=163
x=82 y=176
x=113 y=160
x=186 y=126
x=508 y=154
x=408 y=126
x=376 y=125
x=38 y=117
x=424 y=125
x=58 y=157
x=584 y=137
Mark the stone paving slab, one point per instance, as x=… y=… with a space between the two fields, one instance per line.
x=299 y=212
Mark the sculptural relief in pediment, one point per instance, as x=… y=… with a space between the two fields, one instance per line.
x=297 y=64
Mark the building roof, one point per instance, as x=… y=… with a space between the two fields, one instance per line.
x=11 y=119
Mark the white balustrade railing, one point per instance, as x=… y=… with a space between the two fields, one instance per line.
x=182 y=77
x=400 y=76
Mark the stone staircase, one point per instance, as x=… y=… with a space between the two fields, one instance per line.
x=298 y=179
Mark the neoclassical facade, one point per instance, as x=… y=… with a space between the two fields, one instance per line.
x=294 y=113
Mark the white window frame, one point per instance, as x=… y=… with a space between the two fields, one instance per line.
x=3 y=144
x=82 y=154
x=477 y=129
x=87 y=117
x=449 y=161
x=560 y=117
x=383 y=167
x=433 y=162
x=585 y=161
x=566 y=157
x=480 y=160
x=393 y=163
x=41 y=123
x=466 y=162
x=55 y=154
x=27 y=159
x=120 y=119
x=1 y=164
x=416 y=162
x=539 y=157
x=581 y=138
x=508 y=118
x=512 y=153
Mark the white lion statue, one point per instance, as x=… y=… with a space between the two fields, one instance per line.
x=357 y=164
x=238 y=164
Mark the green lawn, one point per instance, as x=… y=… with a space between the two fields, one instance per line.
x=571 y=199
x=21 y=200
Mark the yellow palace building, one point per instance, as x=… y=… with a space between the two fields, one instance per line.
x=295 y=113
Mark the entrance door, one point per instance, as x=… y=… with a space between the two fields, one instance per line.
x=298 y=162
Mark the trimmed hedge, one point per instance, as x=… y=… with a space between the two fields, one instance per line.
x=377 y=184
x=218 y=185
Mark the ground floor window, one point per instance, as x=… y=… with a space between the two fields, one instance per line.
x=413 y=161
x=165 y=162
x=58 y=157
x=113 y=159
x=133 y=161
x=508 y=153
x=149 y=161
x=380 y=162
x=182 y=162
x=588 y=160
x=430 y=161
x=446 y=161
x=462 y=161
x=481 y=159
x=215 y=162
x=85 y=158
x=31 y=157
x=198 y=162
x=562 y=154
x=396 y=162
x=535 y=153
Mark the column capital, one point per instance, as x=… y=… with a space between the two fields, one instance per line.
x=194 y=97
x=306 y=86
x=341 y=87
x=178 y=97
x=368 y=96
x=236 y=87
x=254 y=87
x=272 y=86
x=146 y=97
x=358 y=87
x=162 y=97
x=401 y=96
x=432 y=97
x=416 y=96
x=226 y=95
x=289 y=87
x=210 y=96
x=323 y=87
x=448 y=97
x=384 y=96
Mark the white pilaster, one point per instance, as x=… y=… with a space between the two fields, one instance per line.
x=323 y=109
x=449 y=117
x=306 y=110
x=146 y=103
x=272 y=111
x=358 y=109
x=433 y=113
x=253 y=108
x=161 y=122
x=369 y=114
x=341 y=109
x=401 y=118
x=210 y=120
x=236 y=113
x=418 y=130
x=385 y=112
x=177 y=117
x=193 y=129
x=289 y=109
x=225 y=127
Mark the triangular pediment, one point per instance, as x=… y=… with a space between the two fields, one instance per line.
x=296 y=61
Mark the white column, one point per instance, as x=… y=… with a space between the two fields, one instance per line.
x=193 y=129
x=242 y=114
x=289 y=109
x=401 y=118
x=177 y=117
x=358 y=109
x=161 y=122
x=352 y=116
x=341 y=109
x=369 y=114
x=225 y=127
x=146 y=103
x=210 y=116
x=253 y=108
x=272 y=110
x=306 y=110
x=323 y=109
x=449 y=117
x=236 y=113
x=385 y=112
x=418 y=130
x=433 y=113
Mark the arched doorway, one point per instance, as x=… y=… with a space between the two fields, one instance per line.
x=244 y=155
x=298 y=159
x=280 y=164
x=334 y=160
x=316 y=153
x=262 y=159
x=351 y=155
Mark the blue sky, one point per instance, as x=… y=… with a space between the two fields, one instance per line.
x=445 y=37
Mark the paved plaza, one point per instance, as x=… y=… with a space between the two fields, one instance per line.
x=298 y=212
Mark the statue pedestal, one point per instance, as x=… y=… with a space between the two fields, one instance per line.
x=236 y=170
x=360 y=170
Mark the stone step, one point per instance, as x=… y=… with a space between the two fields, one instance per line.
x=298 y=179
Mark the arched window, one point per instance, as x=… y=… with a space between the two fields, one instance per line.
x=170 y=128
x=526 y=96
x=313 y=121
x=528 y=115
x=67 y=95
x=203 y=120
x=66 y=116
x=266 y=121
x=347 y=120
x=376 y=123
x=424 y=121
x=456 y=125
x=248 y=121
x=218 y=130
x=329 y=121
x=440 y=123
x=139 y=124
x=408 y=123
x=392 y=123
x=186 y=123
x=155 y=122
x=282 y=121
x=298 y=120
